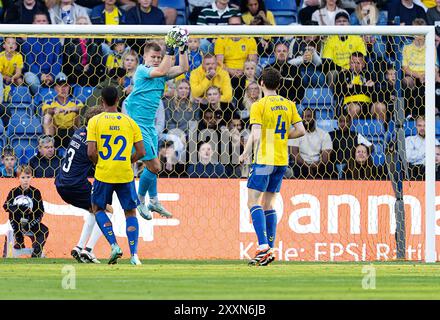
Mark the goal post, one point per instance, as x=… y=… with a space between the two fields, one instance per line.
x=145 y=31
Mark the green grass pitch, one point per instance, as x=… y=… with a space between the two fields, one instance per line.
x=223 y=280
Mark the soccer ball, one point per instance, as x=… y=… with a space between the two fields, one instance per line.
x=181 y=35
x=24 y=201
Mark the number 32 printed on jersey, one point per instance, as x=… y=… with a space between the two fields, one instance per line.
x=113 y=148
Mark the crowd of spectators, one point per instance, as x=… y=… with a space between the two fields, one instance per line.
x=203 y=120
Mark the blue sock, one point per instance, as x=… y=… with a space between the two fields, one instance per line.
x=106 y=226
x=148 y=182
x=259 y=223
x=132 y=234
x=271 y=226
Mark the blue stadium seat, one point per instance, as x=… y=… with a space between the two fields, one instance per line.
x=44 y=94
x=373 y=130
x=410 y=128
x=20 y=94
x=264 y=61
x=437 y=129
x=180 y=6
x=82 y=93
x=24 y=125
x=2 y=135
x=24 y=147
x=285 y=11
x=378 y=154
x=327 y=125
x=315 y=97
x=20 y=108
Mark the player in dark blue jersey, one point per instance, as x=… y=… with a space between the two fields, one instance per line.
x=74 y=188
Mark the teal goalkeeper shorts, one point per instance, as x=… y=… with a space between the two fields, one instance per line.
x=151 y=143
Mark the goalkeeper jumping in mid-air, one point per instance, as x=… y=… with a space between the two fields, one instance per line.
x=143 y=102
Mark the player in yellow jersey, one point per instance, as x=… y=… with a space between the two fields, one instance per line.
x=271 y=118
x=110 y=139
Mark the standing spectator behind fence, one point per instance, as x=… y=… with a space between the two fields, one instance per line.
x=114 y=58
x=337 y=50
x=291 y=86
x=9 y=162
x=22 y=11
x=24 y=205
x=83 y=59
x=232 y=53
x=11 y=66
x=210 y=74
x=130 y=62
x=42 y=58
x=66 y=12
x=311 y=152
x=413 y=66
x=171 y=167
x=325 y=16
x=45 y=162
x=252 y=94
x=61 y=114
x=361 y=166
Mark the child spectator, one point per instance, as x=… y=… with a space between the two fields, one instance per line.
x=130 y=61
x=9 y=161
x=213 y=96
x=206 y=167
x=11 y=66
x=195 y=56
x=24 y=205
x=114 y=58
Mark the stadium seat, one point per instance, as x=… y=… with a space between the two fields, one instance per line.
x=373 y=130
x=2 y=136
x=20 y=94
x=378 y=154
x=20 y=108
x=318 y=97
x=82 y=93
x=44 y=94
x=284 y=11
x=180 y=6
x=410 y=128
x=24 y=147
x=264 y=61
x=24 y=125
x=437 y=129
x=327 y=125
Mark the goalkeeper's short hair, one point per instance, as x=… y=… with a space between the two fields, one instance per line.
x=152 y=45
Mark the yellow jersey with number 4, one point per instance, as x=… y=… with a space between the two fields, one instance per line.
x=275 y=114
x=115 y=134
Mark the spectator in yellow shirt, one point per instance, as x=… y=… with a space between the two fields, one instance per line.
x=413 y=66
x=61 y=114
x=210 y=74
x=337 y=50
x=11 y=66
x=114 y=59
x=232 y=53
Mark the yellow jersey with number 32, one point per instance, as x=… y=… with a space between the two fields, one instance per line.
x=115 y=134
x=275 y=114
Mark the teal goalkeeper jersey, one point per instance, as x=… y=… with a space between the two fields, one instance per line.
x=143 y=102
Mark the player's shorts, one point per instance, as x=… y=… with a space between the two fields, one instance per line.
x=102 y=194
x=151 y=142
x=266 y=178
x=79 y=196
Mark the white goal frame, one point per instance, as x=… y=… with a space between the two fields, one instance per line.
x=126 y=31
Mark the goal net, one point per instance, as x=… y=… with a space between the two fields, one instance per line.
x=360 y=185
